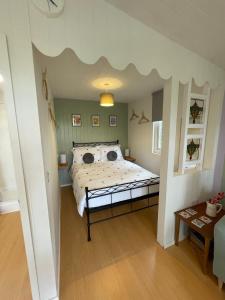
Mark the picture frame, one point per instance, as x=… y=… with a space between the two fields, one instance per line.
x=113 y=121
x=194 y=148
x=76 y=120
x=95 y=120
x=197 y=111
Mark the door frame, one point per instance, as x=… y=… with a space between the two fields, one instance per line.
x=18 y=164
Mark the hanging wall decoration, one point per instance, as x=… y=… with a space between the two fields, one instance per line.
x=196 y=111
x=193 y=149
x=45 y=85
x=134 y=116
x=76 y=120
x=112 y=121
x=143 y=119
x=95 y=120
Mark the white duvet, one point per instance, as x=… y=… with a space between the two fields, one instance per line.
x=102 y=174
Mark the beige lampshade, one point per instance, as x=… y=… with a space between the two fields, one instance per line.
x=106 y=99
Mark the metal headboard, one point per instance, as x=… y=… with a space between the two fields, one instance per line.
x=93 y=144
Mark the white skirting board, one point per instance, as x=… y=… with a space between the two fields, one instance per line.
x=9 y=206
x=64 y=185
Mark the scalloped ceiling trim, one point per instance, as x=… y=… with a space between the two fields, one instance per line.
x=84 y=25
x=164 y=74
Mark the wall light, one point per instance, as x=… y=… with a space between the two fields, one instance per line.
x=106 y=99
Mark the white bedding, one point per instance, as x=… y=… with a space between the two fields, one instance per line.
x=103 y=174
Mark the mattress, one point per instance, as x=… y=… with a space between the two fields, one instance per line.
x=110 y=173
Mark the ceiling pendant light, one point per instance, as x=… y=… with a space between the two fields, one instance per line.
x=106 y=99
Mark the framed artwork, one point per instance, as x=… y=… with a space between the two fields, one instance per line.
x=76 y=120
x=193 y=149
x=95 y=120
x=197 y=110
x=112 y=121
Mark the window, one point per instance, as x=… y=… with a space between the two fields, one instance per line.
x=157 y=137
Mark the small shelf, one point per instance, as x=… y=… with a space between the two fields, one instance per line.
x=192 y=162
x=195 y=136
x=198 y=96
x=196 y=126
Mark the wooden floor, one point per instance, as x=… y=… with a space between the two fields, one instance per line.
x=14 y=281
x=124 y=261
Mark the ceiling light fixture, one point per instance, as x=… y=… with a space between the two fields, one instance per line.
x=106 y=82
x=106 y=99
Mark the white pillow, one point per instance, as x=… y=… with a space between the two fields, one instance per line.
x=105 y=149
x=79 y=152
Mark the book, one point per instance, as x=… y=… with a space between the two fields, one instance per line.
x=205 y=219
x=184 y=214
x=198 y=223
x=191 y=211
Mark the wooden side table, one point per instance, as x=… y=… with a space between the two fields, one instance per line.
x=130 y=158
x=62 y=166
x=207 y=231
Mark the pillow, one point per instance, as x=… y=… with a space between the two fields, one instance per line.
x=79 y=152
x=112 y=155
x=105 y=149
x=88 y=158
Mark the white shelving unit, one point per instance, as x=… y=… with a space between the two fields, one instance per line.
x=193 y=133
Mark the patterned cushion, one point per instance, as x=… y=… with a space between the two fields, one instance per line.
x=79 y=152
x=105 y=149
x=112 y=155
x=88 y=158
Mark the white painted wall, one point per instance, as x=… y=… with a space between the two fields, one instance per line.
x=180 y=191
x=82 y=27
x=28 y=151
x=8 y=190
x=49 y=143
x=140 y=136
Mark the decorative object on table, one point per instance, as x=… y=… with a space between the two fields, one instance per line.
x=185 y=214
x=45 y=84
x=193 y=146
x=62 y=159
x=134 y=116
x=198 y=223
x=205 y=219
x=196 y=111
x=213 y=206
x=143 y=119
x=112 y=121
x=95 y=120
x=127 y=152
x=76 y=120
x=191 y=211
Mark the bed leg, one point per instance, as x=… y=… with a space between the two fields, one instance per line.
x=89 y=233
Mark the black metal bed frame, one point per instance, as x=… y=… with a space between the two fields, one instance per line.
x=114 y=189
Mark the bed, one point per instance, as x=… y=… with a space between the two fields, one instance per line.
x=106 y=182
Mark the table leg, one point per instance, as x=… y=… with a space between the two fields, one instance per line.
x=206 y=254
x=177 y=229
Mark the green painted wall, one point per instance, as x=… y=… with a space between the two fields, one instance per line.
x=86 y=133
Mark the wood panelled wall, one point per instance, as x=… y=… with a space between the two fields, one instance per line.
x=64 y=109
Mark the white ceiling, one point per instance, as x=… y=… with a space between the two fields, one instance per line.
x=197 y=25
x=71 y=79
